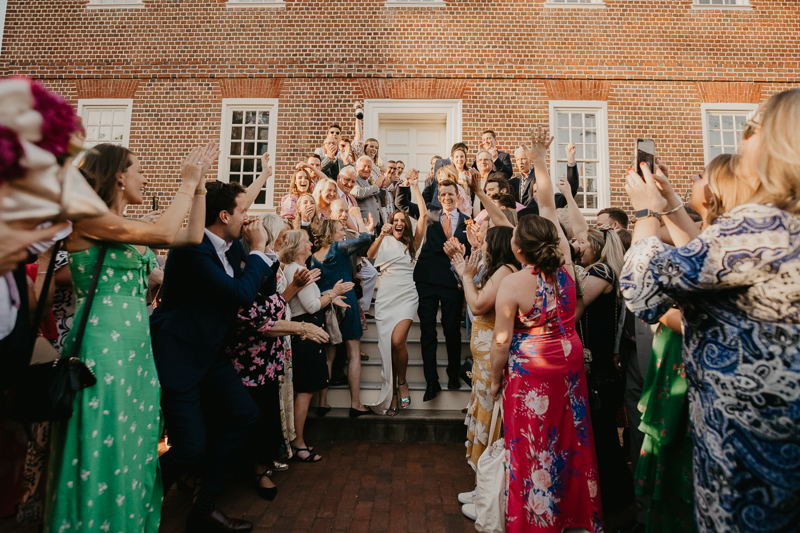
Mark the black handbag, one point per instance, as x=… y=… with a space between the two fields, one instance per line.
x=46 y=391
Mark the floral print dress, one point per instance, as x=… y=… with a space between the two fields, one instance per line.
x=738 y=288
x=551 y=469
x=479 y=410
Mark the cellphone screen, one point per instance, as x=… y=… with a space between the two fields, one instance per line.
x=645 y=153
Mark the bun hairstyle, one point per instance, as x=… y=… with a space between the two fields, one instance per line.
x=538 y=239
x=101 y=165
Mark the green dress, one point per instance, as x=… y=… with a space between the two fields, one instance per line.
x=104 y=473
x=664 y=471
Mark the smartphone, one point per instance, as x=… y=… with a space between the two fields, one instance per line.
x=155 y=203
x=645 y=153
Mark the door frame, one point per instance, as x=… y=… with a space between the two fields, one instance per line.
x=375 y=108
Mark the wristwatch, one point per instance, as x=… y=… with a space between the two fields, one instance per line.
x=644 y=213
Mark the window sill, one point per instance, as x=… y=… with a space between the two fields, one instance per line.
x=571 y=5
x=260 y=5
x=129 y=5
x=704 y=7
x=393 y=4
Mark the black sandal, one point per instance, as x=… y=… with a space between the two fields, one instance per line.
x=310 y=458
x=266 y=493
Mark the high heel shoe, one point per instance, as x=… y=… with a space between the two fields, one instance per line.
x=266 y=493
x=322 y=411
x=355 y=413
x=404 y=402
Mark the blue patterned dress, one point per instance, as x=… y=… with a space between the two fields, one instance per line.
x=738 y=287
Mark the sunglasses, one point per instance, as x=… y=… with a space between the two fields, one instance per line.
x=751 y=126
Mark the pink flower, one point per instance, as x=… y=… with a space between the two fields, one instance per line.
x=540 y=405
x=541 y=504
x=59 y=120
x=546 y=459
x=541 y=480
x=10 y=154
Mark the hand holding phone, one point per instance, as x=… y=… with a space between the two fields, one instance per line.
x=645 y=153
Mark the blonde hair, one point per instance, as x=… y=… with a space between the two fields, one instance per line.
x=612 y=252
x=322 y=185
x=298 y=219
x=447 y=172
x=779 y=160
x=727 y=188
x=291 y=247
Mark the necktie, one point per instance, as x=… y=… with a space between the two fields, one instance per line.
x=447 y=225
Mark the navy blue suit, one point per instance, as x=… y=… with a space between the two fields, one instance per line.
x=199 y=301
x=436 y=284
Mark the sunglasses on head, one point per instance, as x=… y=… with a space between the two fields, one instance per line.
x=751 y=126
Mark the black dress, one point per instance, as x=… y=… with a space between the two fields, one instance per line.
x=598 y=328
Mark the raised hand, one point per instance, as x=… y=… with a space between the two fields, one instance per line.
x=330 y=150
x=301 y=278
x=472 y=266
x=644 y=193
x=540 y=142
x=474 y=236
x=191 y=167
x=458 y=263
x=571 y=149
x=564 y=187
x=386 y=229
x=355 y=211
x=369 y=223
x=412 y=177
x=208 y=154
x=453 y=248
x=265 y=168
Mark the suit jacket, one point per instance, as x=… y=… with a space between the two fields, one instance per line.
x=367 y=198
x=433 y=265
x=526 y=195
x=199 y=300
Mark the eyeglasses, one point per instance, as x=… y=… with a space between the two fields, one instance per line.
x=334 y=132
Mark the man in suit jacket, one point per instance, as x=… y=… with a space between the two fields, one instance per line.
x=526 y=178
x=366 y=194
x=437 y=285
x=501 y=161
x=204 y=286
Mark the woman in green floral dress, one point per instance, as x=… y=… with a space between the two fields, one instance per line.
x=104 y=464
x=664 y=472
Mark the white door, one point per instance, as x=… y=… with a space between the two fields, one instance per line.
x=412 y=140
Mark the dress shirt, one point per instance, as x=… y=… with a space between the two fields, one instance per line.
x=350 y=203
x=222 y=248
x=453 y=220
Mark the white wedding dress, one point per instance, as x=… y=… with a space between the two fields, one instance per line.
x=396 y=301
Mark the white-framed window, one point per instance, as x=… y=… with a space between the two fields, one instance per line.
x=722 y=127
x=415 y=3
x=270 y=4
x=118 y=4
x=721 y=4
x=249 y=128
x=106 y=120
x=586 y=124
x=575 y=3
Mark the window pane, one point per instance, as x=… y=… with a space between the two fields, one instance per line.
x=106 y=118
x=727 y=122
x=263 y=134
x=713 y=122
x=249 y=117
x=236 y=133
x=247 y=165
x=249 y=148
x=236 y=165
x=236 y=148
x=563 y=120
x=237 y=117
x=577 y=120
x=263 y=118
x=714 y=138
x=250 y=133
x=591 y=120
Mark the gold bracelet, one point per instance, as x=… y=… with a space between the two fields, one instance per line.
x=200 y=192
x=187 y=194
x=302 y=331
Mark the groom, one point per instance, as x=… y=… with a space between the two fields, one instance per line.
x=204 y=286
x=436 y=283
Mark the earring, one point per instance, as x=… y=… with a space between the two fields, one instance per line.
x=122 y=187
x=519 y=250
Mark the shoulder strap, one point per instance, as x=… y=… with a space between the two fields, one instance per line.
x=495 y=413
x=87 y=306
x=37 y=317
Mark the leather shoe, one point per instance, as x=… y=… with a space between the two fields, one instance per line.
x=216 y=522
x=453 y=384
x=431 y=391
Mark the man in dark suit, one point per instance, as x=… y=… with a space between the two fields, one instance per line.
x=501 y=161
x=524 y=182
x=204 y=286
x=437 y=285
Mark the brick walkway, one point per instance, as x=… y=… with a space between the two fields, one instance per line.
x=357 y=487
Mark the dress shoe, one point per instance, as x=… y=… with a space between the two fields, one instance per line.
x=355 y=413
x=216 y=522
x=341 y=380
x=453 y=384
x=431 y=391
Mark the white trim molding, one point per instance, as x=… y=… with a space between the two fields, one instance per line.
x=740 y=5
x=375 y=108
x=106 y=104
x=270 y=105
x=720 y=109
x=600 y=109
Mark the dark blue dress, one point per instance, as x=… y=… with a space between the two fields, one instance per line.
x=338 y=266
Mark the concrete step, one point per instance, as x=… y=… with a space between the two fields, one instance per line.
x=435 y=425
x=413 y=331
x=370 y=347
x=371 y=370
x=455 y=400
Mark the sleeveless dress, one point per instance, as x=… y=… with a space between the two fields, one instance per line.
x=551 y=470
x=479 y=411
x=396 y=301
x=104 y=473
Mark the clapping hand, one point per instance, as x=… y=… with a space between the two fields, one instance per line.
x=472 y=266
x=304 y=277
x=330 y=150
x=370 y=223
x=354 y=211
x=540 y=142
x=412 y=177
x=342 y=287
x=474 y=236
x=474 y=181
x=452 y=247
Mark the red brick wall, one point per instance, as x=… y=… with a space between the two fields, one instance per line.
x=654 y=61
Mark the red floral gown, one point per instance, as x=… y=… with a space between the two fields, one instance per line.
x=551 y=469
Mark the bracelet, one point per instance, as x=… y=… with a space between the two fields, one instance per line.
x=672 y=210
x=186 y=193
x=200 y=192
x=302 y=331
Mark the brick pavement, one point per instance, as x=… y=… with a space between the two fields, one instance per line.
x=358 y=487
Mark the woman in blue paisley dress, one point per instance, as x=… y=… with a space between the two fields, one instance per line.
x=103 y=471
x=738 y=287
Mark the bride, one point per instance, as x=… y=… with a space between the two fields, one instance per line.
x=394 y=252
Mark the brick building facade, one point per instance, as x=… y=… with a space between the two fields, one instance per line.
x=163 y=75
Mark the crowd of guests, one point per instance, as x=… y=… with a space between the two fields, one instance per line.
x=229 y=341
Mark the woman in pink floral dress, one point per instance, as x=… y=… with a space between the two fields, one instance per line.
x=537 y=359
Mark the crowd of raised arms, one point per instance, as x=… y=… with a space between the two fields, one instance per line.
x=672 y=345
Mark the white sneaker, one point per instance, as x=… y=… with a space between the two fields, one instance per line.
x=469 y=511
x=466 y=497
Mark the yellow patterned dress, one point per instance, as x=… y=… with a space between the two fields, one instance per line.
x=479 y=412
